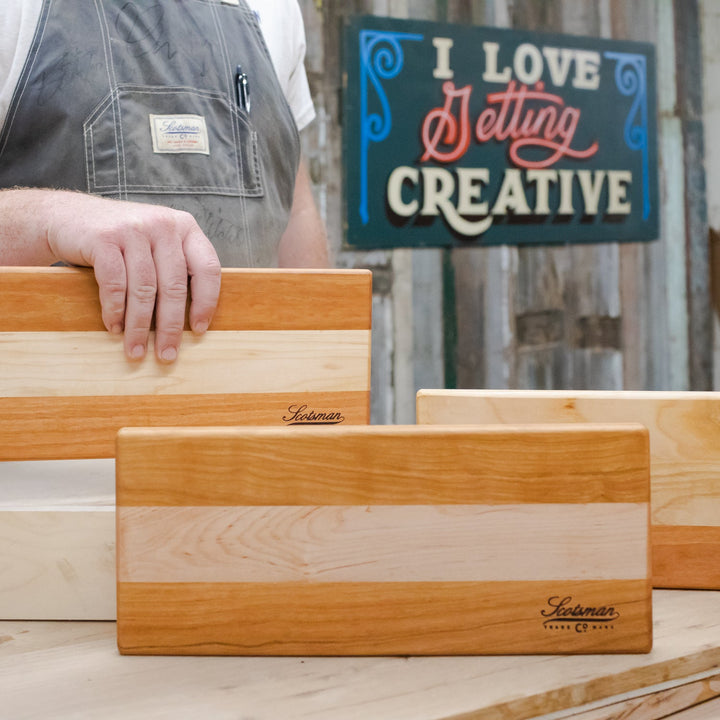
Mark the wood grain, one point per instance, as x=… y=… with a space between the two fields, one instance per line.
x=36 y=433
x=683 y=557
x=377 y=618
x=708 y=710
x=91 y=364
x=391 y=543
x=66 y=299
x=657 y=705
x=381 y=465
x=684 y=430
x=57 y=563
x=383 y=539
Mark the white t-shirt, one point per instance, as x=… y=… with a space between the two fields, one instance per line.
x=282 y=26
x=280 y=20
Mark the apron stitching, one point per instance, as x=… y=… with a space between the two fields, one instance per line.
x=230 y=93
x=174 y=189
x=90 y=159
x=89 y=136
x=117 y=118
x=261 y=39
x=236 y=139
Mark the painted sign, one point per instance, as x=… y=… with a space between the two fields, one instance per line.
x=462 y=136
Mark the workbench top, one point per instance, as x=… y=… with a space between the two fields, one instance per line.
x=65 y=670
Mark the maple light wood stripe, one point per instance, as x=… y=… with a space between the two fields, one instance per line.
x=382 y=465
x=426 y=543
x=691 y=501
x=440 y=396
x=379 y=618
x=66 y=299
x=686 y=557
x=684 y=432
x=216 y=363
x=85 y=427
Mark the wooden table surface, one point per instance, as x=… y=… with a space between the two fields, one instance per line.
x=68 y=670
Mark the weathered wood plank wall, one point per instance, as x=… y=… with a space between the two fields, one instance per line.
x=710 y=25
x=609 y=316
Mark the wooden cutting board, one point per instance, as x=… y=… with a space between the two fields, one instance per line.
x=285 y=346
x=383 y=540
x=685 y=460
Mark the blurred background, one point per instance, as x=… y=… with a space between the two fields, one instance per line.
x=633 y=316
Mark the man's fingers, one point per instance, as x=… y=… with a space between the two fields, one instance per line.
x=140 y=300
x=172 y=282
x=203 y=267
x=112 y=283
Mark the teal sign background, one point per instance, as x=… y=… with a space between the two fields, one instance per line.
x=468 y=136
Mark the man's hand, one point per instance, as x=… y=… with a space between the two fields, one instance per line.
x=142 y=256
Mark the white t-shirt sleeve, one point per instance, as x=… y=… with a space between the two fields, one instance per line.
x=282 y=26
x=18 y=19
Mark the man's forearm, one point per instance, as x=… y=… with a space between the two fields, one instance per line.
x=304 y=243
x=23 y=232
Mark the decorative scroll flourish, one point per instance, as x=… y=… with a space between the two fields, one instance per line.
x=631 y=79
x=381 y=58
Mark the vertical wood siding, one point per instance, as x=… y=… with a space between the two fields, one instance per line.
x=608 y=316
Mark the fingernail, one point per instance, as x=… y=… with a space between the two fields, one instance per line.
x=116 y=329
x=200 y=326
x=137 y=352
x=168 y=354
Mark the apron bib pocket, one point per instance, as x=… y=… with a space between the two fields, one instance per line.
x=173 y=140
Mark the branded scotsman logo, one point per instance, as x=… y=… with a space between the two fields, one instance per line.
x=300 y=415
x=185 y=127
x=563 y=614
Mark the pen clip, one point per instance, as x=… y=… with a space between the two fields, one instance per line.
x=243 y=89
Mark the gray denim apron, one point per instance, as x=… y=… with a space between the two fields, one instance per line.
x=138 y=101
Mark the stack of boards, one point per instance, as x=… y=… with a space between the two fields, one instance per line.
x=684 y=430
x=286 y=347
x=238 y=536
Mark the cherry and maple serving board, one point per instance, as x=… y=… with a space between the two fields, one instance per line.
x=383 y=540
x=684 y=432
x=285 y=346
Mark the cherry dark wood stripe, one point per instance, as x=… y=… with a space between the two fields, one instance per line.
x=51 y=299
x=48 y=428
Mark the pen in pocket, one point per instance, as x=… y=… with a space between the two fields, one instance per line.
x=243 y=89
